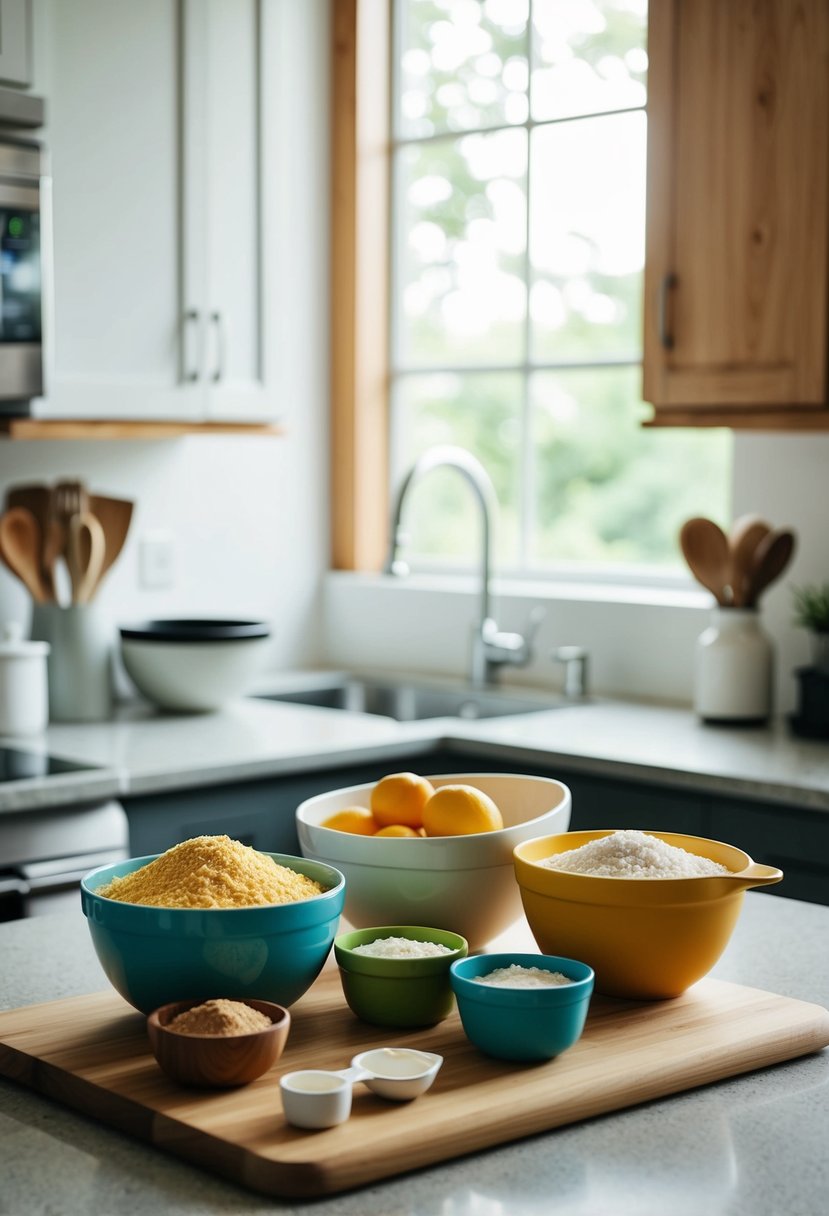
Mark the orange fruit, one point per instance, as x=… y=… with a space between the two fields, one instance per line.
x=354 y=819
x=400 y=798
x=398 y=829
x=460 y=810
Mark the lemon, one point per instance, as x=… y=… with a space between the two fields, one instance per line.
x=354 y=819
x=460 y=810
x=400 y=799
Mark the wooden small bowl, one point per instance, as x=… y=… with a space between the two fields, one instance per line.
x=217 y=1061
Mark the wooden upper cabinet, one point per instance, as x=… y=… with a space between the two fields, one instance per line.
x=736 y=279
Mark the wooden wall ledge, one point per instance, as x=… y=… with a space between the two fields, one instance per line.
x=100 y=428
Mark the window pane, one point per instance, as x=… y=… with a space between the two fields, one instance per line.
x=461 y=218
x=462 y=65
x=608 y=491
x=482 y=414
x=587 y=242
x=589 y=56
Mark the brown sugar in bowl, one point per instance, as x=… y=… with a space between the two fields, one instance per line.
x=217 y=1061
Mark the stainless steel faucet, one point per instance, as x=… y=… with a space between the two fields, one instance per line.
x=491 y=647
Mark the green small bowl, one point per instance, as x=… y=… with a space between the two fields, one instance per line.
x=402 y=992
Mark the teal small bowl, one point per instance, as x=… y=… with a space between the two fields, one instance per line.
x=522 y=1023
x=269 y=952
x=401 y=992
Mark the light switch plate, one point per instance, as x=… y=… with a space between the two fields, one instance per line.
x=156 y=561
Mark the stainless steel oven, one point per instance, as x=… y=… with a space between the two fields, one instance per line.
x=47 y=844
x=45 y=854
x=21 y=273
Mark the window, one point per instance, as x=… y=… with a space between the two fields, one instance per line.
x=517 y=238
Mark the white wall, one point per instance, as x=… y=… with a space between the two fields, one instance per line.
x=246 y=516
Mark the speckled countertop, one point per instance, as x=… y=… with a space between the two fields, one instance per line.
x=751 y=1146
x=143 y=752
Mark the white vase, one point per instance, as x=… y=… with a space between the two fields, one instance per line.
x=733 y=673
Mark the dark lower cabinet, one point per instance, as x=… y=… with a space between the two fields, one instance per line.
x=261 y=813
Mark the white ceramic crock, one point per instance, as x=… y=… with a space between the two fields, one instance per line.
x=733 y=672
x=24 y=700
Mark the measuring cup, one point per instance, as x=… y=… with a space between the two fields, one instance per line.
x=318 y=1098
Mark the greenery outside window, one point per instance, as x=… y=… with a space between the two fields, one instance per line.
x=517 y=217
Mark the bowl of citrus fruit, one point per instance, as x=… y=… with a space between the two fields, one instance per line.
x=433 y=850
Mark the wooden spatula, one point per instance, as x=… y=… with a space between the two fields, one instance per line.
x=115 y=515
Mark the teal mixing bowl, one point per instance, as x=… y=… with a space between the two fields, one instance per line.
x=271 y=952
x=521 y=1023
x=402 y=992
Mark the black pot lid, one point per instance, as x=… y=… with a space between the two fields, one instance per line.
x=195 y=630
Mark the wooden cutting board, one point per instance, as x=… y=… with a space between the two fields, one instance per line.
x=92 y=1053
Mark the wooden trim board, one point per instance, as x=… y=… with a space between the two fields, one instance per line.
x=92 y=1053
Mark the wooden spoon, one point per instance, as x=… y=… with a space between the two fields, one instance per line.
x=20 y=550
x=746 y=534
x=85 y=555
x=771 y=557
x=38 y=500
x=705 y=548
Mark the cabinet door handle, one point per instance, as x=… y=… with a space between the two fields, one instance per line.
x=219 y=371
x=667 y=285
x=191 y=373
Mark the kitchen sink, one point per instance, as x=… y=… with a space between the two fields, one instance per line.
x=415 y=700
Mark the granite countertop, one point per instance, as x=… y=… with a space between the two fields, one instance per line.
x=751 y=1146
x=141 y=751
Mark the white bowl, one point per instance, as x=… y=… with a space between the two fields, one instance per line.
x=462 y=883
x=194 y=670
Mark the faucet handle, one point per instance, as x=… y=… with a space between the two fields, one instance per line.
x=575 y=660
x=534 y=622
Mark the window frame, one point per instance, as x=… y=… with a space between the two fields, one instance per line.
x=360 y=197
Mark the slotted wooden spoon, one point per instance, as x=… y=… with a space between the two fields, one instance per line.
x=85 y=553
x=705 y=548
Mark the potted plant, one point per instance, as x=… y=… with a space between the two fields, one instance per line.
x=812 y=613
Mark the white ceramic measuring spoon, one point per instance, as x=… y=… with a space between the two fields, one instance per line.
x=399 y=1073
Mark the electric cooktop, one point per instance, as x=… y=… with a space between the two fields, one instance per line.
x=18 y=764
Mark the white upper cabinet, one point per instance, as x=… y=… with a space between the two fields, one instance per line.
x=163 y=144
x=15 y=42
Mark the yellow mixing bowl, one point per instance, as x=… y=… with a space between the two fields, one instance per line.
x=645 y=938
